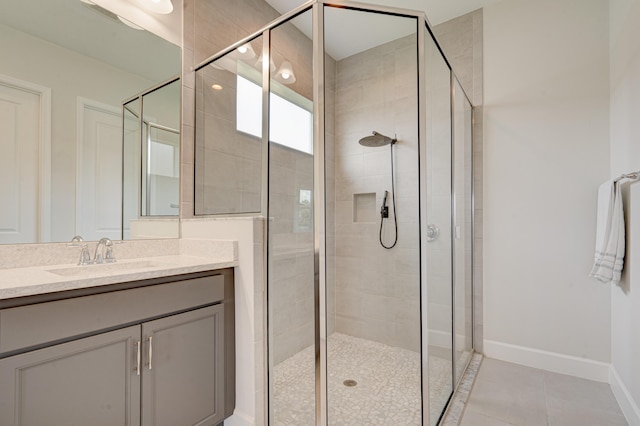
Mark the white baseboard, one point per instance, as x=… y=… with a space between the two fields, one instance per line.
x=550 y=361
x=628 y=406
x=239 y=419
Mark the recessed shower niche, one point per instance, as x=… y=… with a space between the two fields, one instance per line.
x=354 y=291
x=364 y=208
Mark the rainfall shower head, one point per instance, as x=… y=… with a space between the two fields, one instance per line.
x=376 y=139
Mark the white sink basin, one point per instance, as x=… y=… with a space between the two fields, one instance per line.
x=103 y=268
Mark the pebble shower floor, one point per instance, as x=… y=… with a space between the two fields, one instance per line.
x=388 y=384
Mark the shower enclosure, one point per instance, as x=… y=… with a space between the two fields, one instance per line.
x=343 y=124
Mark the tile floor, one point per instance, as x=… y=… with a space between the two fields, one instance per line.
x=508 y=394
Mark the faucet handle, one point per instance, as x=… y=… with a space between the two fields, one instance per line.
x=109 y=256
x=85 y=256
x=76 y=241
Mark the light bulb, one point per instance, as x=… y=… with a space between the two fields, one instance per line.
x=285 y=74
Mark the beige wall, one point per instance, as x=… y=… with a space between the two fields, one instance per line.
x=546 y=150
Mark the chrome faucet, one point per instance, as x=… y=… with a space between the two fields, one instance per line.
x=106 y=255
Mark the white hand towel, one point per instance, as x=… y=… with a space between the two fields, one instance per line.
x=609 y=256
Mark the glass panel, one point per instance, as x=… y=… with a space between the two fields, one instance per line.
x=463 y=229
x=291 y=239
x=131 y=195
x=161 y=151
x=373 y=290
x=439 y=253
x=228 y=133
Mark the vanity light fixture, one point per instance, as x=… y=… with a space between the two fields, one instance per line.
x=285 y=74
x=272 y=65
x=216 y=87
x=130 y=24
x=245 y=52
x=163 y=7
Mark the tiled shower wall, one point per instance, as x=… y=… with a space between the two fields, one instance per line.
x=291 y=286
x=228 y=166
x=377 y=290
x=208 y=27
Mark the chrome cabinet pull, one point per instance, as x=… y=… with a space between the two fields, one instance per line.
x=138 y=358
x=150 y=351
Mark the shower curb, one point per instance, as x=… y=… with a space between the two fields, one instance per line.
x=455 y=411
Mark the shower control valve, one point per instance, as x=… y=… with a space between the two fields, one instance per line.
x=384 y=210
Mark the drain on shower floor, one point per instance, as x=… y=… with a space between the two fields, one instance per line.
x=350 y=383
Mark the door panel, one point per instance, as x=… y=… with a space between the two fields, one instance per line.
x=99 y=183
x=19 y=165
x=90 y=381
x=183 y=369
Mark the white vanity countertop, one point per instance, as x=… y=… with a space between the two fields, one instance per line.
x=34 y=280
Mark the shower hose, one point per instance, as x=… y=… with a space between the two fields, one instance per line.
x=393 y=203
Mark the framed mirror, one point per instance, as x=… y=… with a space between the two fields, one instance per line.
x=67 y=68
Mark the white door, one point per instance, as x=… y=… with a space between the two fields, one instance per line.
x=24 y=138
x=99 y=177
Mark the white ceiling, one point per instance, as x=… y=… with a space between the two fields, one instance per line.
x=350 y=32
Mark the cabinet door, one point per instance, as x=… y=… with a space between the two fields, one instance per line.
x=183 y=372
x=91 y=381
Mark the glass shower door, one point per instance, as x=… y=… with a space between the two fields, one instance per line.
x=291 y=291
x=463 y=231
x=373 y=290
x=439 y=230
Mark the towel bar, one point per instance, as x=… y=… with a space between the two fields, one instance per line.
x=634 y=175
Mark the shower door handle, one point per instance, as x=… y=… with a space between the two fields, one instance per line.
x=433 y=232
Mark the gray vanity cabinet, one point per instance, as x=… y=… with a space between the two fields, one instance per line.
x=182 y=381
x=90 y=381
x=156 y=355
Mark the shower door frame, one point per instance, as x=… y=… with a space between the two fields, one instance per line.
x=320 y=253
x=423 y=29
